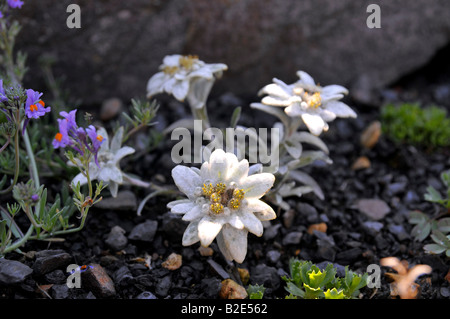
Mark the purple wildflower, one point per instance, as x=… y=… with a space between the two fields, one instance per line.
x=34 y=106
x=15 y=3
x=71 y=119
x=62 y=137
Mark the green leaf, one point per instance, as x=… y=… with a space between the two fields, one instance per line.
x=443 y=225
x=421 y=231
x=432 y=195
x=316 y=278
x=312 y=293
x=255 y=291
x=235 y=117
x=294 y=290
x=334 y=294
x=434 y=249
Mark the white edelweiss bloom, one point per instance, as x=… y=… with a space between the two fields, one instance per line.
x=315 y=105
x=108 y=170
x=185 y=77
x=223 y=202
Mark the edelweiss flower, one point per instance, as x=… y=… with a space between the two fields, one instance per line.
x=223 y=202
x=315 y=105
x=108 y=169
x=185 y=77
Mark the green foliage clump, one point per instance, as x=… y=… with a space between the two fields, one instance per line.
x=307 y=281
x=439 y=229
x=255 y=291
x=411 y=124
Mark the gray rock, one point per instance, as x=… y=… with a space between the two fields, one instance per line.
x=340 y=270
x=265 y=275
x=348 y=256
x=60 y=291
x=292 y=238
x=146 y=295
x=173 y=226
x=375 y=209
x=373 y=227
x=144 y=232
x=263 y=41
x=163 y=286
x=49 y=260
x=125 y=201
x=116 y=238
x=273 y=256
x=123 y=276
x=399 y=231
x=13 y=272
x=211 y=287
x=56 y=277
x=308 y=211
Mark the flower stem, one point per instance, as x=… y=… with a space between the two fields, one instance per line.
x=17 y=164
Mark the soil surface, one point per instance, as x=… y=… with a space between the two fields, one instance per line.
x=133 y=257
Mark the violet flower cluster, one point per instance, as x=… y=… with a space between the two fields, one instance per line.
x=80 y=139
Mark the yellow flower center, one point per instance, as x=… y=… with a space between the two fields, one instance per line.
x=187 y=61
x=170 y=70
x=220 y=197
x=314 y=100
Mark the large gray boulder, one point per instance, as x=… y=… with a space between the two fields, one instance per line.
x=121 y=43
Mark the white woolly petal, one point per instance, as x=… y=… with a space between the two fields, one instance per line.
x=340 y=109
x=294 y=110
x=261 y=210
x=113 y=188
x=202 y=73
x=110 y=173
x=276 y=90
x=238 y=171
x=223 y=247
x=334 y=89
x=306 y=78
x=182 y=208
x=190 y=235
x=274 y=101
x=180 y=90
x=235 y=221
x=255 y=186
x=172 y=60
x=122 y=152
x=116 y=141
x=252 y=224
x=218 y=165
x=194 y=213
x=314 y=123
x=178 y=201
x=186 y=180
x=327 y=115
x=208 y=228
x=235 y=241
x=155 y=84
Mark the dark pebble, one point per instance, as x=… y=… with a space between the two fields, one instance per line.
x=348 y=256
x=56 y=277
x=273 y=256
x=60 y=291
x=163 y=286
x=292 y=238
x=146 y=295
x=116 y=238
x=13 y=272
x=49 y=260
x=173 y=226
x=211 y=287
x=265 y=275
x=144 y=232
x=98 y=281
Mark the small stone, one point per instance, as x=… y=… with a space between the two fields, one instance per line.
x=145 y=231
x=361 y=162
x=97 y=280
x=125 y=201
x=271 y=232
x=56 y=277
x=399 y=231
x=244 y=275
x=373 y=227
x=110 y=108
x=445 y=292
x=375 y=209
x=371 y=135
x=273 y=256
x=309 y=211
x=60 y=291
x=211 y=287
x=146 y=295
x=123 y=276
x=232 y=290
x=348 y=256
x=173 y=262
x=205 y=251
x=292 y=238
x=173 y=226
x=288 y=218
x=322 y=227
x=163 y=286
x=49 y=260
x=116 y=239
x=13 y=272
x=266 y=276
